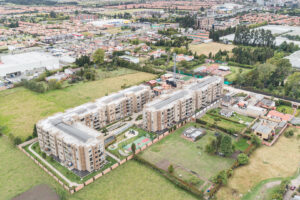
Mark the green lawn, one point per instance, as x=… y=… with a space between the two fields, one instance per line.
x=130 y=181
x=67 y=173
x=234 y=72
x=285 y=109
x=226 y=124
x=236 y=117
x=241 y=144
x=187 y=154
x=20 y=108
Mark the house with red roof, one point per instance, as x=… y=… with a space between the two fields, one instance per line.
x=273 y=114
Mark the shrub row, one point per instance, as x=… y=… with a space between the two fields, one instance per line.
x=229 y=131
x=240 y=65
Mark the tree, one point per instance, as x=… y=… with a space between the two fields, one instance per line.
x=289 y=133
x=226 y=145
x=171 y=169
x=34 y=133
x=82 y=60
x=243 y=159
x=133 y=147
x=17 y=140
x=44 y=155
x=98 y=57
x=221 y=178
x=52 y=14
x=255 y=141
x=104 y=130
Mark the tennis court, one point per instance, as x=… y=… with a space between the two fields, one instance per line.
x=139 y=143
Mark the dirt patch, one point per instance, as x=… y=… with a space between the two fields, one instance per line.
x=37 y=193
x=163 y=164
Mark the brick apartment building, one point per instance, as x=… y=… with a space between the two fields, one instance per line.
x=71 y=136
x=170 y=109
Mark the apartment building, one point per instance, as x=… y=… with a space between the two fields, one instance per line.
x=207 y=90
x=71 y=143
x=71 y=137
x=205 y=23
x=171 y=109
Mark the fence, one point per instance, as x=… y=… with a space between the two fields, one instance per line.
x=99 y=175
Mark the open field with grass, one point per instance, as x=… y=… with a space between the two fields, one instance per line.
x=234 y=72
x=18 y=172
x=186 y=155
x=20 y=108
x=226 y=124
x=129 y=181
x=213 y=47
x=285 y=109
x=235 y=117
x=281 y=160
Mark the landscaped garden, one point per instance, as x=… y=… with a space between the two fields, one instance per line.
x=190 y=160
x=64 y=170
x=122 y=146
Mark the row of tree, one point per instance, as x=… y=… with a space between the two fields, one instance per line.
x=253 y=37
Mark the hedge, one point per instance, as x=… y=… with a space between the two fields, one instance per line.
x=240 y=65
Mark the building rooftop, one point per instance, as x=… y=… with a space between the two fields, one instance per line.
x=170 y=99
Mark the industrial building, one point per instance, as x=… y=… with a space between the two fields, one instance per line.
x=71 y=137
x=26 y=64
x=170 y=109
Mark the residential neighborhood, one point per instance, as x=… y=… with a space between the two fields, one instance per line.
x=149 y=100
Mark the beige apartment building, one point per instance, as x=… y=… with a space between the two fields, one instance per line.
x=171 y=109
x=71 y=136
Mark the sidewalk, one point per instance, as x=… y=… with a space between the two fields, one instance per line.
x=52 y=168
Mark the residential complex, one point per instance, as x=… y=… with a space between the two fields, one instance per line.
x=71 y=138
x=170 y=109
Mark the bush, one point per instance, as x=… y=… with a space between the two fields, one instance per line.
x=243 y=159
x=17 y=140
x=44 y=155
x=289 y=133
x=171 y=169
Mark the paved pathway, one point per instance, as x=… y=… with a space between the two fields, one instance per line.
x=52 y=168
x=113 y=156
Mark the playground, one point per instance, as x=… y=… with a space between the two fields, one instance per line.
x=122 y=147
x=139 y=143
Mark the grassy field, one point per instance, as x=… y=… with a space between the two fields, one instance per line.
x=20 y=108
x=213 y=47
x=130 y=181
x=234 y=72
x=280 y=160
x=184 y=154
x=285 y=109
x=226 y=124
x=235 y=117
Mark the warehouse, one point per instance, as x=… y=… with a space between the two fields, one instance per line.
x=26 y=64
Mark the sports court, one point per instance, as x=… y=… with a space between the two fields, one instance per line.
x=139 y=143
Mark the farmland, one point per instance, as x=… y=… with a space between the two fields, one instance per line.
x=213 y=47
x=21 y=108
